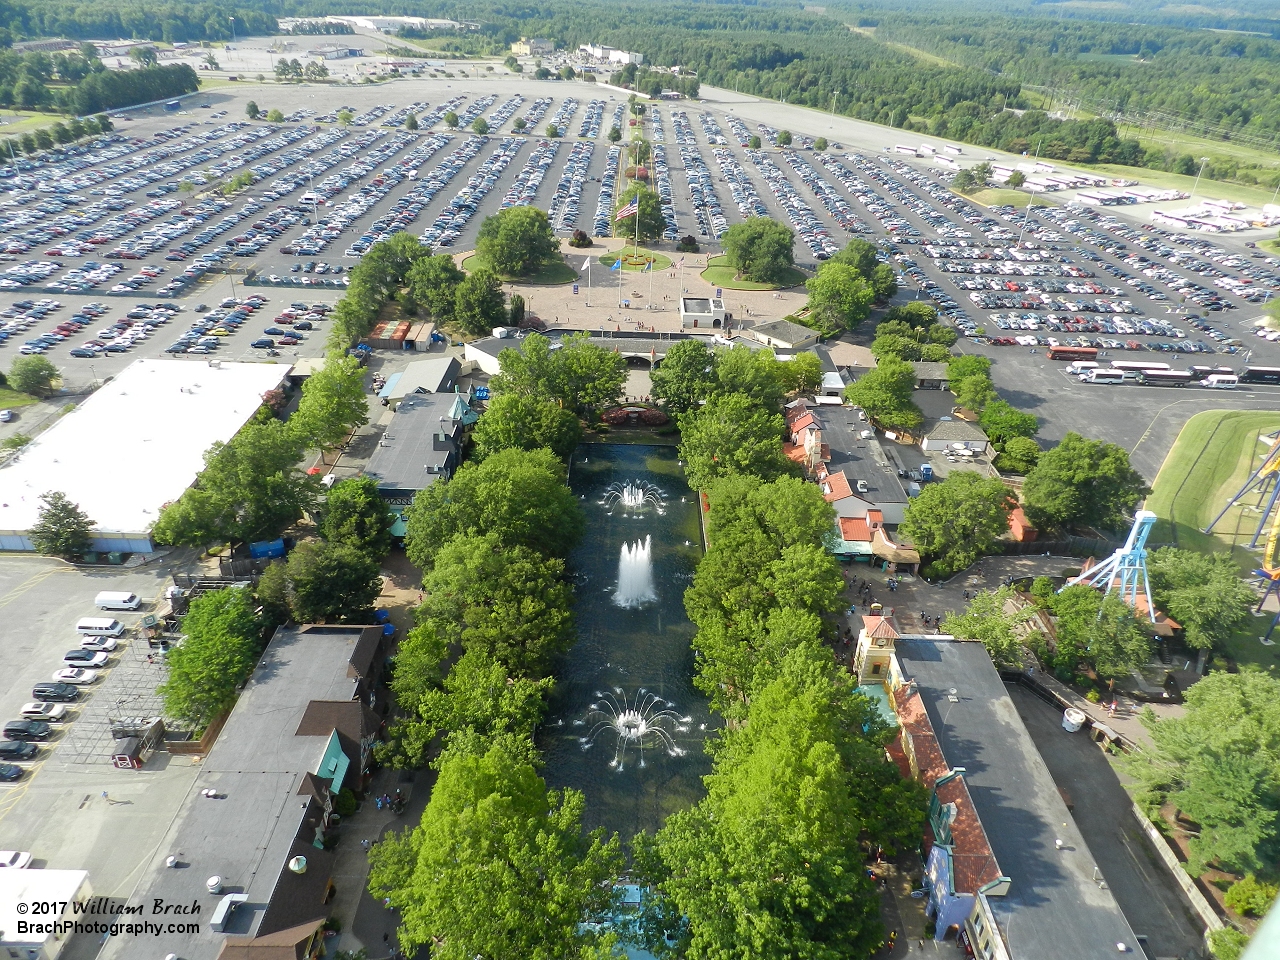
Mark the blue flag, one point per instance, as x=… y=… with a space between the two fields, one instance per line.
x=617 y=265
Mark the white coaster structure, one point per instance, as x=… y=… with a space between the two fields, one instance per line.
x=1126 y=569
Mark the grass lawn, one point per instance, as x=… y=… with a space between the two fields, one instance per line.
x=1243 y=646
x=12 y=398
x=553 y=274
x=997 y=196
x=636 y=262
x=720 y=274
x=1211 y=459
x=1253 y=196
x=17 y=121
x=1271 y=246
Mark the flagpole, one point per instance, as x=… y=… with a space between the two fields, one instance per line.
x=588 y=281
x=651 y=272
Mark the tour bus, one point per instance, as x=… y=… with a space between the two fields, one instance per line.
x=1220 y=381
x=900 y=148
x=1164 y=378
x=1260 y=375
x=1082 y=366
x=1073 y=353
x=1201 y=372
x=1102 y=375
x=1135 y=366
x=952 y=148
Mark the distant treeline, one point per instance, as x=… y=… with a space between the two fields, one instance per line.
x=77 y=83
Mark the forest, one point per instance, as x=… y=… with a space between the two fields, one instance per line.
x=77 y=82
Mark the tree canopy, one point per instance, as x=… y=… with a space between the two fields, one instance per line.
x=499 y=867
x=1203 y=592
x=517 y=241
x=957 y=521
x=354 y=513
x=217 y=654
x=61 y=529
x=839 y=299
x=652 y=222
x=578 y=375
x=685 y=376
x=517 y=495
x=1083 y=481
x=885 y=393
x=1219 y=763
x=731 y=434
x=519 y=421
x=478 y=302
x=760 y=249
x=333 y=404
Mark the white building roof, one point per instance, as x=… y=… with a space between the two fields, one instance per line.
x=137 y=443
x=37 y=886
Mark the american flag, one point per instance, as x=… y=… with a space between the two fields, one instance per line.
x=630 y=210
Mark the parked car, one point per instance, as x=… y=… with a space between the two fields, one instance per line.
x=43 y=711
x=10 y=772
x=27 y=730
x=263 y=343
x=84 y=658
x=14 y=859
x=55 y=692
x=75 y=675
x=106 y=644
x=18 y=750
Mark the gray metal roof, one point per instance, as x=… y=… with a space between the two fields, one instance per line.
x=783 y=330
x=246 y=832
x=955 y=429
x=411 y=456
x=859 y=459
x=1055 y=908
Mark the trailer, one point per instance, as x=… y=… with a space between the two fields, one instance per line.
x=1260 y=375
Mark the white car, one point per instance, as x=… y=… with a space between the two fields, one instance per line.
x=14 y=859
x=76 y=675
x=6 y=416
x=103 y=644
x=84 y=658
x=50 y=712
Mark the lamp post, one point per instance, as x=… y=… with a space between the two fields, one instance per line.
x=1195 y=186
x=233 y=30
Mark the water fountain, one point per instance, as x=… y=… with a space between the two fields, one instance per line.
x=635 y=575
x=634 y=497
x=646 y=720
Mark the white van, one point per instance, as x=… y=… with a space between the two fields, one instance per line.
x=116 y=600
x=99 y=627
x=1221 y=381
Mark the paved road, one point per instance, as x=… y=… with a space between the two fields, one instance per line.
x=1151 y=900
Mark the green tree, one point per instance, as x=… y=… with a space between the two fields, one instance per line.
x=1020 y=455
x=731 y=434
x=820 y=144
x=480 y=125
x=1251 y=897
x=516 y=421
x=144 y=56
x=478 y=697
x=966 y=365
x=451 y=120
x=957 y=521
x=517 y=241
x=651 y=220
x=355 y=514
x=964 y=182
x=333 y=404
x=552 y=132
x=515 y=310
x=250 y=489
x=1001 y=421
x=684 y=377
x=1017 y=179
x=478 y=302
x=884 y=281
x=760 y=249
x=433 y=284
x=784 y=138
x=769 y=857
x=510 y=603
x=1203 y=592
x=499 y=867
x=411 y=122
x=861 y=255
x=518 y=124
x=1228 y=943
x=579 y=376
x=1101 y=631
x=332 y=582
x=975 y=392
x=986 y=619
x=757 y=374
x=1083 y=482
x=275 y=116
x=1219 y=763
x=346 y=117
x=614 y=134
x=885 y=393
x=754 y=142
x=216 y=656
x=251 y=110
x=33 y=375
x=61 y=529
x=802 y=373
x=520 y=495
x=839 y=299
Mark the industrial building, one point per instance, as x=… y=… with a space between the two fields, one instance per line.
x=132 y=447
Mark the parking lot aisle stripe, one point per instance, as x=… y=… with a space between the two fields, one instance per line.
x=26 y=585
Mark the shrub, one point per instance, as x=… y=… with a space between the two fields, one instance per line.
x=1227 y=943
x=345 y=804
x=687 y=244
x=1251 y=896
x=580 y=238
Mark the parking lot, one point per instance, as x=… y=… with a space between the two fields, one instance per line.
x=111 y=247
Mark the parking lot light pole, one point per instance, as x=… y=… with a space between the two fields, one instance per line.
x=1196 y=185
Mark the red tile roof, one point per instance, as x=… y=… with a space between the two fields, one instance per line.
x=855 y=530
x=836 y=487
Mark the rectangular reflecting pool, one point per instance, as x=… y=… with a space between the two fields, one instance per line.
x=625 y=724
